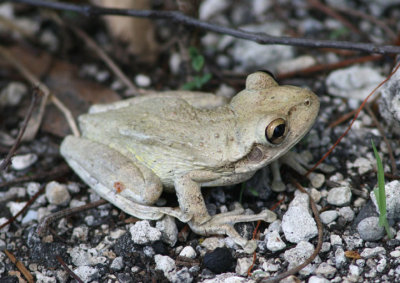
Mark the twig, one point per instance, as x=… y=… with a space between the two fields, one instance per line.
x=317 y=248
x=10 y=154
x=354 y=119
x=21 y=267
x=12 y=219
x=382 y=132
x=180 y=18
x=42 y=227
x=68 y=270
x=54 y=173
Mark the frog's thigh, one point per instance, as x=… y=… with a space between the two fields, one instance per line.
x=109 y=172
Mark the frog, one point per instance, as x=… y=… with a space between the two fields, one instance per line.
x=133 y=150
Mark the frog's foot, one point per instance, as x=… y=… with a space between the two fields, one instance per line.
x=223 y=224
x=295 y=161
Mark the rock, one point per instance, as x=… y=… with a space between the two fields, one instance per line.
x=298 y=255
x=274 y=242
x=211 y=243
x=4 y=229
x=251 y=55
x=32 y=188
x=188 y=251
x=81 y=256
x=362 y=164
x=218 y=261
x=389 y=103
x=168 y=229
x=12 y=94
x=166 y=265
x=395 y=253
x=328 y=216
x=210 y=8
x=340 y=257
x=317 y=279
x=336 y=240
x=87 y=273
x=355 y=82
x=347 y=213
x=392 y=191
x=325 y=270
x=242 y=265
x=271 y=266
x=228 y=277
x=353 y=242
x=372 y=252
x=31 y=215
x=298 y=225
x=370 y=230
x=21 y=162
x=339 y=196
x=16 y=207
x=117 y=264
x=142 y=80
x=298 y=63
x=57 y=193
x=80 y=233
x=143 y=233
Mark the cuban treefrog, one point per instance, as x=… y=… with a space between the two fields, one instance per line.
x=132 y=150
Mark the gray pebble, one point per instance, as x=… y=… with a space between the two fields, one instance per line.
x=370 y=230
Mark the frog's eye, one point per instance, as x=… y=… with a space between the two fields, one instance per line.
x=276 y=131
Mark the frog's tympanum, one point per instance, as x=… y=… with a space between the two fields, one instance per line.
x=178 y=141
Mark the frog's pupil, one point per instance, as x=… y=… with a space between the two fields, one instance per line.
x=279 y=130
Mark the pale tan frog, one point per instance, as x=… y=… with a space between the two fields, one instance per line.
x=132 y=150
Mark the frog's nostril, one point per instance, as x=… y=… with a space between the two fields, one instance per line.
x=307 y=102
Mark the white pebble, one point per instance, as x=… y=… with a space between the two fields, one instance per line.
x=143 y=233
x=21 y=162
x=339 y=196
x=57 y=193
x=142 y=80
x=188 y=251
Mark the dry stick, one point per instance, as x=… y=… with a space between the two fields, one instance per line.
x=37 y=118
x=317 y=248
x=68 y=270
x=10 y=154
x=42 y=227
x=12 y=219
x=54 y=173
x=352 y=121
x=21 y=267
x=102 y=54
x=180 y=18
x=382 y=132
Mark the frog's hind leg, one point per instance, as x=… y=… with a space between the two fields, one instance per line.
x=126 y=184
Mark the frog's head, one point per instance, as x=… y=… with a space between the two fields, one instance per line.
x=271 y=119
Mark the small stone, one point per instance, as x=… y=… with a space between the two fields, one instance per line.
x=362 y=164
x=271 y=266
x=21 y=162
x=317 y=279
x=6 y=228
x=299 y=254
x=274 y=242
x=339 y=196
x=166 y=265
x=347 y=213
x=142 y=80
x=242 y=265
x=87 y=273
x=325 y=247
x=32 y=188
x=143 y=233
x=295 y=64
x=370 y=230
x=57 y=193
x=372 y=252
x=16 y=207
x=212 y=243
x=340 y=257
x=188 y=251
x=354 y=82
x=12 y=94
x=80 y=233
x=328 y=216
x=81 y=256
x=353 y=242
x=325 y=270
x=392 y=192
x=298 y=225
x=228 y=277
x=31 y=215
x=395 y=253
x=336 y=240
x=45 y=279
x=169 y=230
x=219 y=260
x=210 y=8
x=117 y=264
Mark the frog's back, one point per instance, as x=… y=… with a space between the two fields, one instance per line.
x=166 y=134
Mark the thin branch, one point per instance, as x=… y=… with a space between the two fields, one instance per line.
x=21 y=267
x=10 y=154
x=180 y=18
x=69 y=271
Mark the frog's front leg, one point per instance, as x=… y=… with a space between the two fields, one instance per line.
x=188 y=190
x=126 y=184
